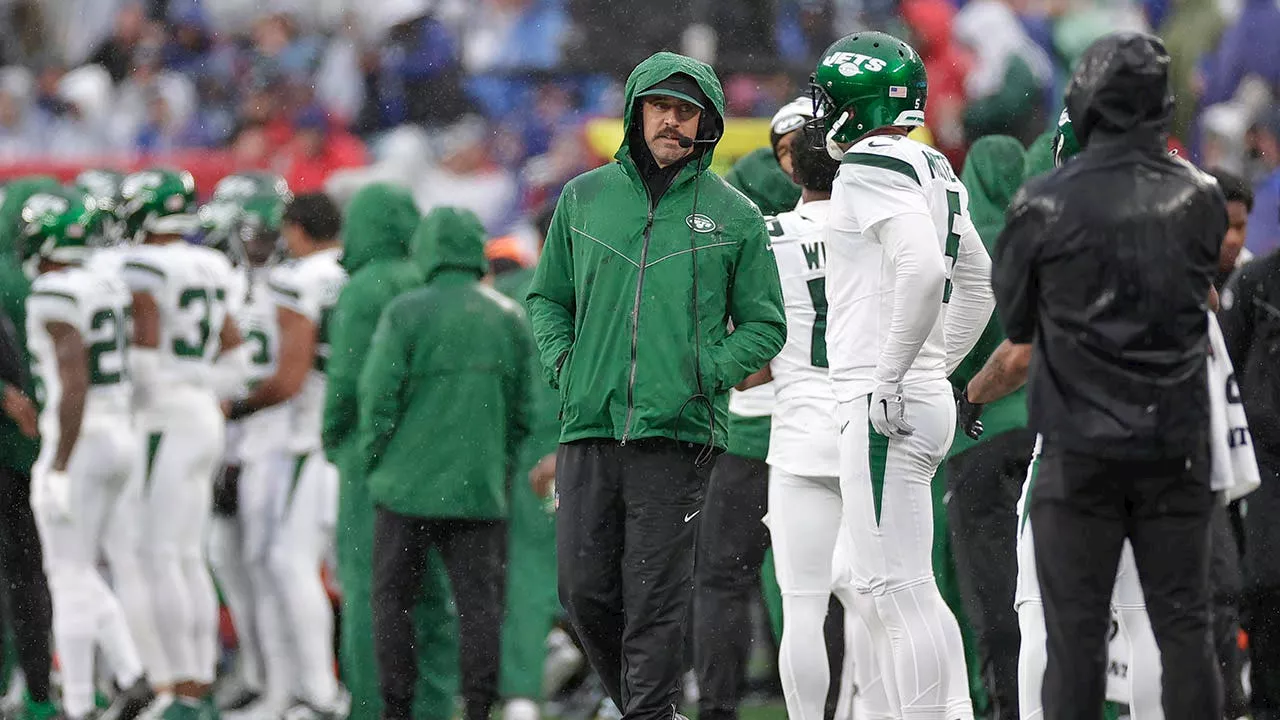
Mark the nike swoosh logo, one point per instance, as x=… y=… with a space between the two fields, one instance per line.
x=842 y=427
x=691 y=515
x=873 y=144
x=884 y=405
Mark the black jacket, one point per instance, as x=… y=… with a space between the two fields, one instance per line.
x=1250 y=318
x=1106 y=263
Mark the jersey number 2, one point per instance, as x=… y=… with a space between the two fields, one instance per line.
x=953 y=240
x=110 y=350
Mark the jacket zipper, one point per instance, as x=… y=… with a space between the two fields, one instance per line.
x=635 y=324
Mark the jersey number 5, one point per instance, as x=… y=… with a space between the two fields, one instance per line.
x=953 y=240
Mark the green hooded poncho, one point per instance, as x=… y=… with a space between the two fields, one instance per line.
x=758 y=176
x=993 y=172
x=445 y=391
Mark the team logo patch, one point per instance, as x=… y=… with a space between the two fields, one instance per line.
x=700 y=223
x=897 y=91
x=848 y=69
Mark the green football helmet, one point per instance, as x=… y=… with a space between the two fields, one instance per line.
x=865 y=81
x=103 y=185
x=157 y=201
x=244 y=185
x=256 y=238
x=60 y=226
x=1065 y=143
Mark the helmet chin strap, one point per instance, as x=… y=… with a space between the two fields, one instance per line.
x=833 y=148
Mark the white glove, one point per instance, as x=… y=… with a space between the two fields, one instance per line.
x=888 y=412
x=51 y=494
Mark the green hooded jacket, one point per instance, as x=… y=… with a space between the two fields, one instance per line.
x=1039 y=156
x=376 y=230
x=445 y=392
x=610 y=300
x=17 y=451
x=758 y=176
x=544 y=428
x=992 y=174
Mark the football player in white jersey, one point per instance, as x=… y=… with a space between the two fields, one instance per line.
x=242 y=498
x=908 y=291
x=184 y=303
x=77 y=319
x=805 y=508
x=305 y=290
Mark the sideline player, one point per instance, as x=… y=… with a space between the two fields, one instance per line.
x=805 y=509
x=242 y=496
x=77 y=319
x=182 y=324
x=909 y=293
x=306 y=484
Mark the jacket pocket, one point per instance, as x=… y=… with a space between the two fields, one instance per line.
x=564 y=378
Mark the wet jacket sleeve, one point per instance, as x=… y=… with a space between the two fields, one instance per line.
x=1014 y=277
x=350 y=329
x=551 y=295
x=520 y=380
x=755 y=307
x=381 y=385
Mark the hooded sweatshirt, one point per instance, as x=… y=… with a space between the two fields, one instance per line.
x=758 y=176
x=379 y=221
x=611 y=300
x=445 y=391
x=992 y=173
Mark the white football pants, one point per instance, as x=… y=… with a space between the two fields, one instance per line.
x=183 y=436
x=86 y=613
x=304 y=502
x=888 y=513
x=811 y=559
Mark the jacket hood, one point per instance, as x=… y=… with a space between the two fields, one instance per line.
x=993 y=172
x=758 y=176
x=377 y=225
x=659 y=67
x=450 y=237
x=1121 y=84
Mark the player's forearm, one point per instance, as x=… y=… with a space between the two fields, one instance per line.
x=75 y=390
x=1004 y=372
x=967 y=316
x=276 y=390
x=919 y=278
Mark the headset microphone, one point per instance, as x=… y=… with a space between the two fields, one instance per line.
x=687 y=142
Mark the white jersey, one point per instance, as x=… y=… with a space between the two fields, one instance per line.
x=885 y=176
x=194 y=291
x=310 y=287
x=98 y=305
x=803 y=439
x=259 y=325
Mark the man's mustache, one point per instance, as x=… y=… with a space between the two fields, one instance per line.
x=670 y=134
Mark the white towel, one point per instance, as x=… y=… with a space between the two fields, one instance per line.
x=1234 y=469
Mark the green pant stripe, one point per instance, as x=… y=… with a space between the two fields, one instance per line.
x=878 y=452
x=298 y=462
x=153 y=447
x=1032 y=473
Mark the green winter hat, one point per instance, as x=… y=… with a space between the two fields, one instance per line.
x=450 y=238
x=758 y=176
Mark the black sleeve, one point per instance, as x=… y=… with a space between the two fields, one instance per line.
x=1235 y=315
x=13 y=366
x=1014 y=276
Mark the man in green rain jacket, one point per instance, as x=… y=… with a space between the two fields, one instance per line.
x=648 y=261
x=29 y=613
x=377 y=227
x=984 y=477
x=444 y=411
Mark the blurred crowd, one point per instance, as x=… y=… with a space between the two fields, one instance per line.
x=481 y=103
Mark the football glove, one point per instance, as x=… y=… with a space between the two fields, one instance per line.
x=968 y=414
x=888 y=412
